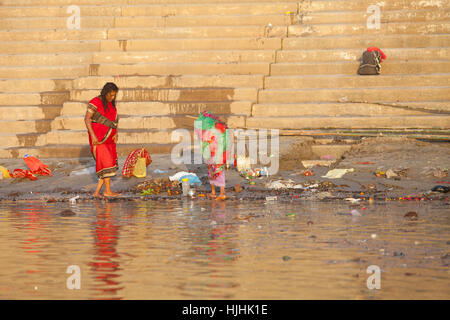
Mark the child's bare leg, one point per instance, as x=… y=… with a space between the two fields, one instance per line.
x=108 y=192
x=222 y=195
x=99 y=187
x=213 y=192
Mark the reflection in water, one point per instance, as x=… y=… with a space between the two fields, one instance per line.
x=35 y=216
x=220 y=247
x=209 y=248
x=223 y=250
x=105 y=264
x=35 y=229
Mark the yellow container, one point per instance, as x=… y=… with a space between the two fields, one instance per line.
x=5 y=172
x=140 y=169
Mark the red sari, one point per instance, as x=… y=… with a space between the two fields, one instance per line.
x=105 y=153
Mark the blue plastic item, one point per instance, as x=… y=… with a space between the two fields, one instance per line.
x=192 y=179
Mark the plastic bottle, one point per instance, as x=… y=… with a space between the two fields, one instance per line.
x=185 y=186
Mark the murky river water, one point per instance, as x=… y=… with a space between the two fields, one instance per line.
x=230 y=250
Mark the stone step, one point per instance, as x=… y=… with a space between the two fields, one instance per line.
x=185 y=32
x=46 y=10
x=351 y=136
x=436 y=121
x=53 y=34
x=329 y=109
x=166 y=9
x=54 y=47
x=10 y=140
x=26 y=99
x=149 y=21
x=371 y=95
x=354 y=81
x=332 y=141
x=152 y=108
x=123 y=150
x=356 y=54
x=350 y=68
x=34 y=85
x=18 y=127
x=428 y=105
x=145 y=69
x=217 y=8
x=401 y=15
x=141 y=69
x=396 y=28
x=77 y=151
x=20 y=99
x=223 y=56
x=213 y=19
x=55 y=22
x=52 y=72
x=173 y=95
x=178 y=7
x=121 y=2
x=362 y=5
x=22 y=140
x=133 y=130
x=134 y=136
x=365 y=41
x=46 y=59
x=145 y=122
x=330 y=150
x=165 y=44
x=29 y=112
x=180 y=81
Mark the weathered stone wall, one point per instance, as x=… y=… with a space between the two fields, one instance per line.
x=259 y=64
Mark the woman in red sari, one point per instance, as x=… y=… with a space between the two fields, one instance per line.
x=101 y=121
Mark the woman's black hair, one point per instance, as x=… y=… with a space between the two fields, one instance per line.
x=107 y=88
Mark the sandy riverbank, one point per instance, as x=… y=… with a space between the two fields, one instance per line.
x=417 y=168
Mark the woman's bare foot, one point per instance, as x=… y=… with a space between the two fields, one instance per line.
x=97 y=195
x=221 y=197
x=111 y=194
x=211 y=195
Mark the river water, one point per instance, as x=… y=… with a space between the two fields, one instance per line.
x=200 y=249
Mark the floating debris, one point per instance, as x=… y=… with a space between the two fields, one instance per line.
x=412 y=215
x=67 y=213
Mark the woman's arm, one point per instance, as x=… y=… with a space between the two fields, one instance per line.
x=88 y=122
x=116 y=137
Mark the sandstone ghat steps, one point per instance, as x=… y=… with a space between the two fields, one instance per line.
x=17 y=23
x=224 y=56
x=415 y=37
x=321 y=53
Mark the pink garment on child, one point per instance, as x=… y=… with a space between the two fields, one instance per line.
x=219 y=181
